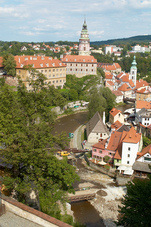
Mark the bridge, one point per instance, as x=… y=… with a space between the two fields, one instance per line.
x=82 y=195
x=126 y=99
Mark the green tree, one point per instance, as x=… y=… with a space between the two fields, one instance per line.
x=9 y=64
x=26 y=122
x=136 y=204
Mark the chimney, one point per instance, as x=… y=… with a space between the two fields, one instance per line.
x=104 y=117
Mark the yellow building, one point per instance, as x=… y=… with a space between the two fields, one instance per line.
x=53 y=69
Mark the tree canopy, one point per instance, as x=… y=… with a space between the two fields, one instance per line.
x=136 y=204
x=9 y=64
x=26 y=123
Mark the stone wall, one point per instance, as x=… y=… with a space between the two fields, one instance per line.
x=31 y=214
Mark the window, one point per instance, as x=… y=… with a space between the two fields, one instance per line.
x=110 y=153
x=56 y=81
x=94 y=150
x=128 y=162
x=60 y=80
x=92 y=70
x=117 y=160
x=128 y=155
x=76 y=64
x=129 y=148
x=70 y=69
x=46 y=70
x=53 y=70
x=100 y=151
x=70 y=64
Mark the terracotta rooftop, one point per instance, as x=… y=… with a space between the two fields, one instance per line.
x=108 y=75
x=132 y=136
x=100 y=144
x=37 y=62
x=118 y=153
x=117 y=93
x=114 y=112
x=143 y=104
x=114 y=141
x=141 y=83
x=110 y=83
x=124 y=87
x=144 y=151
x=79 y=58
x=142 y=91
x=116 y=125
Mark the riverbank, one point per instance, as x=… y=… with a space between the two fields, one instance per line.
x=71 y=113
x=108 y=196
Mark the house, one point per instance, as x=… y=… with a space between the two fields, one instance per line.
x=143 y=94
x=53 y=69
x=126 y=90
x=106 y=147
x=119 y=96
x=126 y=154
x=141 y=165
x=116 y=125
x=96 y=129
x=143 y=116
x=116 y=115
x=80 y=65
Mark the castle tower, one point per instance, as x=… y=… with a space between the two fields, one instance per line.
x=84 y=41
x=133 y=71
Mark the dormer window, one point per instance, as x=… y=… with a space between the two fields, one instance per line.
x=41 y=65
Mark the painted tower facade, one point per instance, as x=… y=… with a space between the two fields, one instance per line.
x=84 y=41
x=133 y=71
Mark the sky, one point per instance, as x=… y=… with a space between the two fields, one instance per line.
x=54 y=20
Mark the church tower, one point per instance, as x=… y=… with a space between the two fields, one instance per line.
x=84 y=41
x=133 y=71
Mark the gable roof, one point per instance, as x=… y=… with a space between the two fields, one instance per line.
x=95 y=125
x=114 y=141
x=114 y=112
x=100 y=144
x=141 y=83
x=145 y=151
x=124 y=87
x=118 y=153
x=132 y=136
x=110 y=83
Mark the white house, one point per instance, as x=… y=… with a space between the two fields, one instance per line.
x=131 y=145
x=96 y=129
x=116 y=115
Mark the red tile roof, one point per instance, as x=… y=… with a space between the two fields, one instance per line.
x=144 y=151
x=114 y=112
x=108 y=75
x=38 y=62
x=117 y=93
x=110 y=83
x=124 y=87
x=141 y=83
x=116 y=125
x=100 y=144
x=132 y=136
x=143 y=104
x=118 y=153
x=114 y=141
x=142 y=91
x=79 y=58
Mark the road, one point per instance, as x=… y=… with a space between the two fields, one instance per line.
x=76 y=141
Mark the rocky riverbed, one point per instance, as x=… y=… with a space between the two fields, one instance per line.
x=108 y=196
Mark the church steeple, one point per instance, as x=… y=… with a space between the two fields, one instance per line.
x=84 y=41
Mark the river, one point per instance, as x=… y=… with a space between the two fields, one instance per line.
x=84 y=212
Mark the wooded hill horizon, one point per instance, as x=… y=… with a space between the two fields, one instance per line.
x=140 y=39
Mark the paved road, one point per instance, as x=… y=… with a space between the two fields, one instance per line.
x=11 y=220
x=76 y=141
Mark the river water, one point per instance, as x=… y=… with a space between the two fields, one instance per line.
x=83 y=211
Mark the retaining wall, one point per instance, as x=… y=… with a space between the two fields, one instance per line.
x=31 y=214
